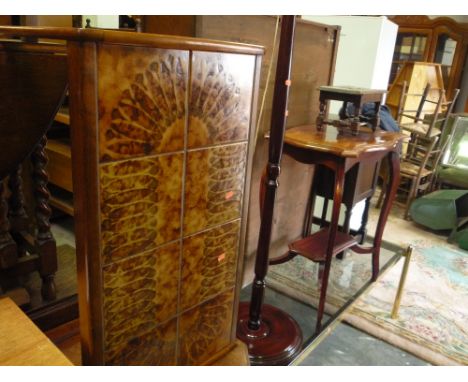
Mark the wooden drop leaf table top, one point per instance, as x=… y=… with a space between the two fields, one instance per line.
x=344 y=144
x=22 y=343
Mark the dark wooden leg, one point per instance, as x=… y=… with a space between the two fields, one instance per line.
x=356 y=121
x=365 y=217
x=337 y=197
x=321 y=115
x=309 y=216
x=8 y=248
x=45 y=242
x=348 y=213
x=16 y=211
x=393 y=181
x=376 y=121
x=411 y=196
x=323 y=218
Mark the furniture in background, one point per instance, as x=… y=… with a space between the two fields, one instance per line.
x=439 y=40
x=160 y=173
x=429 y=124
x=340 y=152
x=423 y=151
x=416 y=75
x=442 y=210
x=34 y=81
x=452 y=170
x=355 y=96
x=361 y=180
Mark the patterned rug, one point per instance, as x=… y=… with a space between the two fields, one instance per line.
x=433 y=314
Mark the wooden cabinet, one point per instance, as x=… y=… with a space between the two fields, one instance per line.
x=441 y=40
x=171 y=134
x=162 y=143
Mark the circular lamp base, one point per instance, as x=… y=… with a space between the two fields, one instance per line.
x=278 y=340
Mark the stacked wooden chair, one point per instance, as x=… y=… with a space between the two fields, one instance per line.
x=423 y=151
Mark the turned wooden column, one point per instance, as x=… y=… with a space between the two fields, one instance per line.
x=44 y=241
x=272 y=336
x=8 y=248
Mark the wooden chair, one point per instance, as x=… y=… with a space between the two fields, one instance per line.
x=431 y=116
x=423 y=152
x=34 y=80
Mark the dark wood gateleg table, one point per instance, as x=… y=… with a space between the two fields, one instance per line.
x=340 y=153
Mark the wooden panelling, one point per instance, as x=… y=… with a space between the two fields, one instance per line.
x=205 y=329
x=142 y=101
x=209 y=264
x=173 y=25
x=221 y=94
x=214 y=186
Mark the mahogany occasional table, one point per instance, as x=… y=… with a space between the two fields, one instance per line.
x=341 y=152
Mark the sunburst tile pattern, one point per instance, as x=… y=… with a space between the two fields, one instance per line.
x=209 y=263
x=142 y=101
x=205 y=329
x=220 y=100
x=214 y=186
x=140 y=204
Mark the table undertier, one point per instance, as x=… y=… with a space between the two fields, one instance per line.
x=314 y=246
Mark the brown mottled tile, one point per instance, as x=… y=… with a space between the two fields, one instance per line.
x=142 y=101
x=138 y=294
x=205 y=329
x=209 y=263
x=140 y=204
x=155 y=347
x=214 y=186
x=220 y=98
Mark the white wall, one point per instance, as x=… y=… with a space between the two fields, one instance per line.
x=102 y=21
x=365 y=51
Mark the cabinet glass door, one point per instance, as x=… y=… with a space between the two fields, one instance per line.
x=444 y=55
x=409 y=47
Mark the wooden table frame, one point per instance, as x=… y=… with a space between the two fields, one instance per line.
x=328 y=241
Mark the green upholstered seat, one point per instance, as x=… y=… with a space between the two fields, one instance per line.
x=443 y=210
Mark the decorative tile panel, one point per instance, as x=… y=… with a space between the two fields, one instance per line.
x=209 y=262
x=205 y=329
x=220 y=99
x=140 y=293
x=142 y=101
x=140 y=204
x=155 y=347
x=214 y=186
